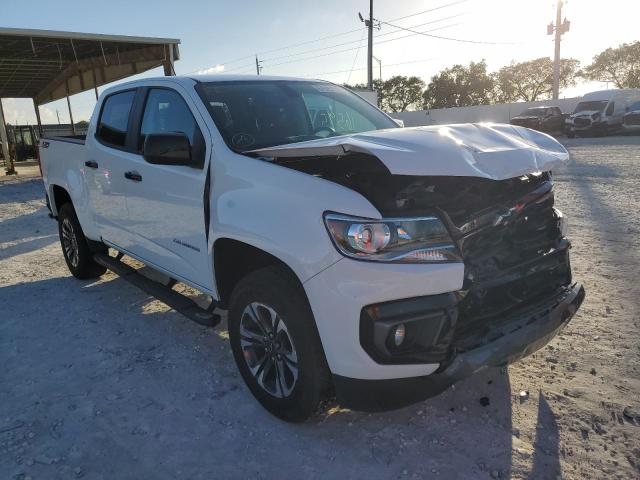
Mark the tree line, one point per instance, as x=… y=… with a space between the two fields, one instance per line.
x=467 y=85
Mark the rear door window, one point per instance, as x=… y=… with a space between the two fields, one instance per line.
x=114 y=119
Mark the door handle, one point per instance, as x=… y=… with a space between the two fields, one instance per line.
x=133 y=175
x=91 y=164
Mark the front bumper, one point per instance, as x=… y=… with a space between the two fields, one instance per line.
x=631 y=127
x=592 y=127
x=520 y=335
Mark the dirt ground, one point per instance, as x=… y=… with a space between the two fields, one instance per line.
x=98 y=380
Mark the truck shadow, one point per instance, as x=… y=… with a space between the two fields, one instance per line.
x=21 y=190
x=42 y=233
x=128 y=364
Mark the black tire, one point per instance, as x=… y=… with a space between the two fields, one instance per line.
x=274 y=287
x=570 y=134
x=75 y=247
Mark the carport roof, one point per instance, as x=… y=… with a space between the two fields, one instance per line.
x=47 y=65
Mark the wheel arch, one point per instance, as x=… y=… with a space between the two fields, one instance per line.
x=58 y=196
x=234 y=259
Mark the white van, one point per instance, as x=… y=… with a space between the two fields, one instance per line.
x=600 y=112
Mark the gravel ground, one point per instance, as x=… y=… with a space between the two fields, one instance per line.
x=98 y=380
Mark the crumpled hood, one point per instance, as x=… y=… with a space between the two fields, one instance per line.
x=494 y=151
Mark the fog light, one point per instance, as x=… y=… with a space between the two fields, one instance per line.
x=398 y=335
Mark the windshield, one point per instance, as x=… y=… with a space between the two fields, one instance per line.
x=534 y=112
x=260 y=114
x=634 y=106
x=597 y=105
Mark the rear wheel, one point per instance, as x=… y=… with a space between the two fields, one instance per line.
x=276 y=345
x=75 y=247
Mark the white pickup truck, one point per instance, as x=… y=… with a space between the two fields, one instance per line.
x=355 y=258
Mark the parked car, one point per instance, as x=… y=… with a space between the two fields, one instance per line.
x=631 y=119
x=353 y=256
x=545 y=119
x=600 y=113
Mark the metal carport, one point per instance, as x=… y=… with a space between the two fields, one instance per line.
x=47 y=65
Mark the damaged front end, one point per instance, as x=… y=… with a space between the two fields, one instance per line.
x=491 y=187
x=517 y=291
x=510 y=237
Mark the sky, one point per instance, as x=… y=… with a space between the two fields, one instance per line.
x=326 y=39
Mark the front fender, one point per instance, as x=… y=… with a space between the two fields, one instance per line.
x=280 y=211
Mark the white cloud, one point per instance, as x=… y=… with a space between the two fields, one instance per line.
x=210 y=70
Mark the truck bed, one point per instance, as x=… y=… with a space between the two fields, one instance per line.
x=61 y=161
x=67 y=138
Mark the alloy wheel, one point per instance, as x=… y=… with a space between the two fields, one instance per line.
x=70 y=243
x=268 y=349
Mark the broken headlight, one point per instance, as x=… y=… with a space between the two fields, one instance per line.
x=400 y=240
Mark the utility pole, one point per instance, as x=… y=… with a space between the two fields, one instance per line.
x=559 y=28
x=370 y=52
x=369 y=24
x=58 y=115
x=258 y=67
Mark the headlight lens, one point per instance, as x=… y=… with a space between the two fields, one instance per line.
x=401 y=240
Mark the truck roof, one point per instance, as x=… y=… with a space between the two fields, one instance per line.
x=225 y=77
x=188 y=80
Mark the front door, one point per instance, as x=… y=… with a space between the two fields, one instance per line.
x=166 y=202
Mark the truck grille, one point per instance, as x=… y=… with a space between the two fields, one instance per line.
x=582 y=122
x=514 y=255
x=632 y=119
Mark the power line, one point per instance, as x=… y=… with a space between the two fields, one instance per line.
x=355 y=58
x=442 y=19
x=326 y=37
x=310 y=41
x=251 y=66
x=479 y=42
x=314 y=50
x=414 y=34
x=355 y=48
x=358 y=41
x=364 y=68
x=314 y=56
x=293 y=45
x=430 y=10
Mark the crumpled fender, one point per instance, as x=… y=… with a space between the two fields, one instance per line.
x=493 y=151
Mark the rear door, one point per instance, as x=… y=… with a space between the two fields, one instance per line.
x=166 y=203
x=109 y=151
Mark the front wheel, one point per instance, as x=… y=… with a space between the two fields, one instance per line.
x=276 y=345
x=75 y=246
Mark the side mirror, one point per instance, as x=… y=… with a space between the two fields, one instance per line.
x=168 y=149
